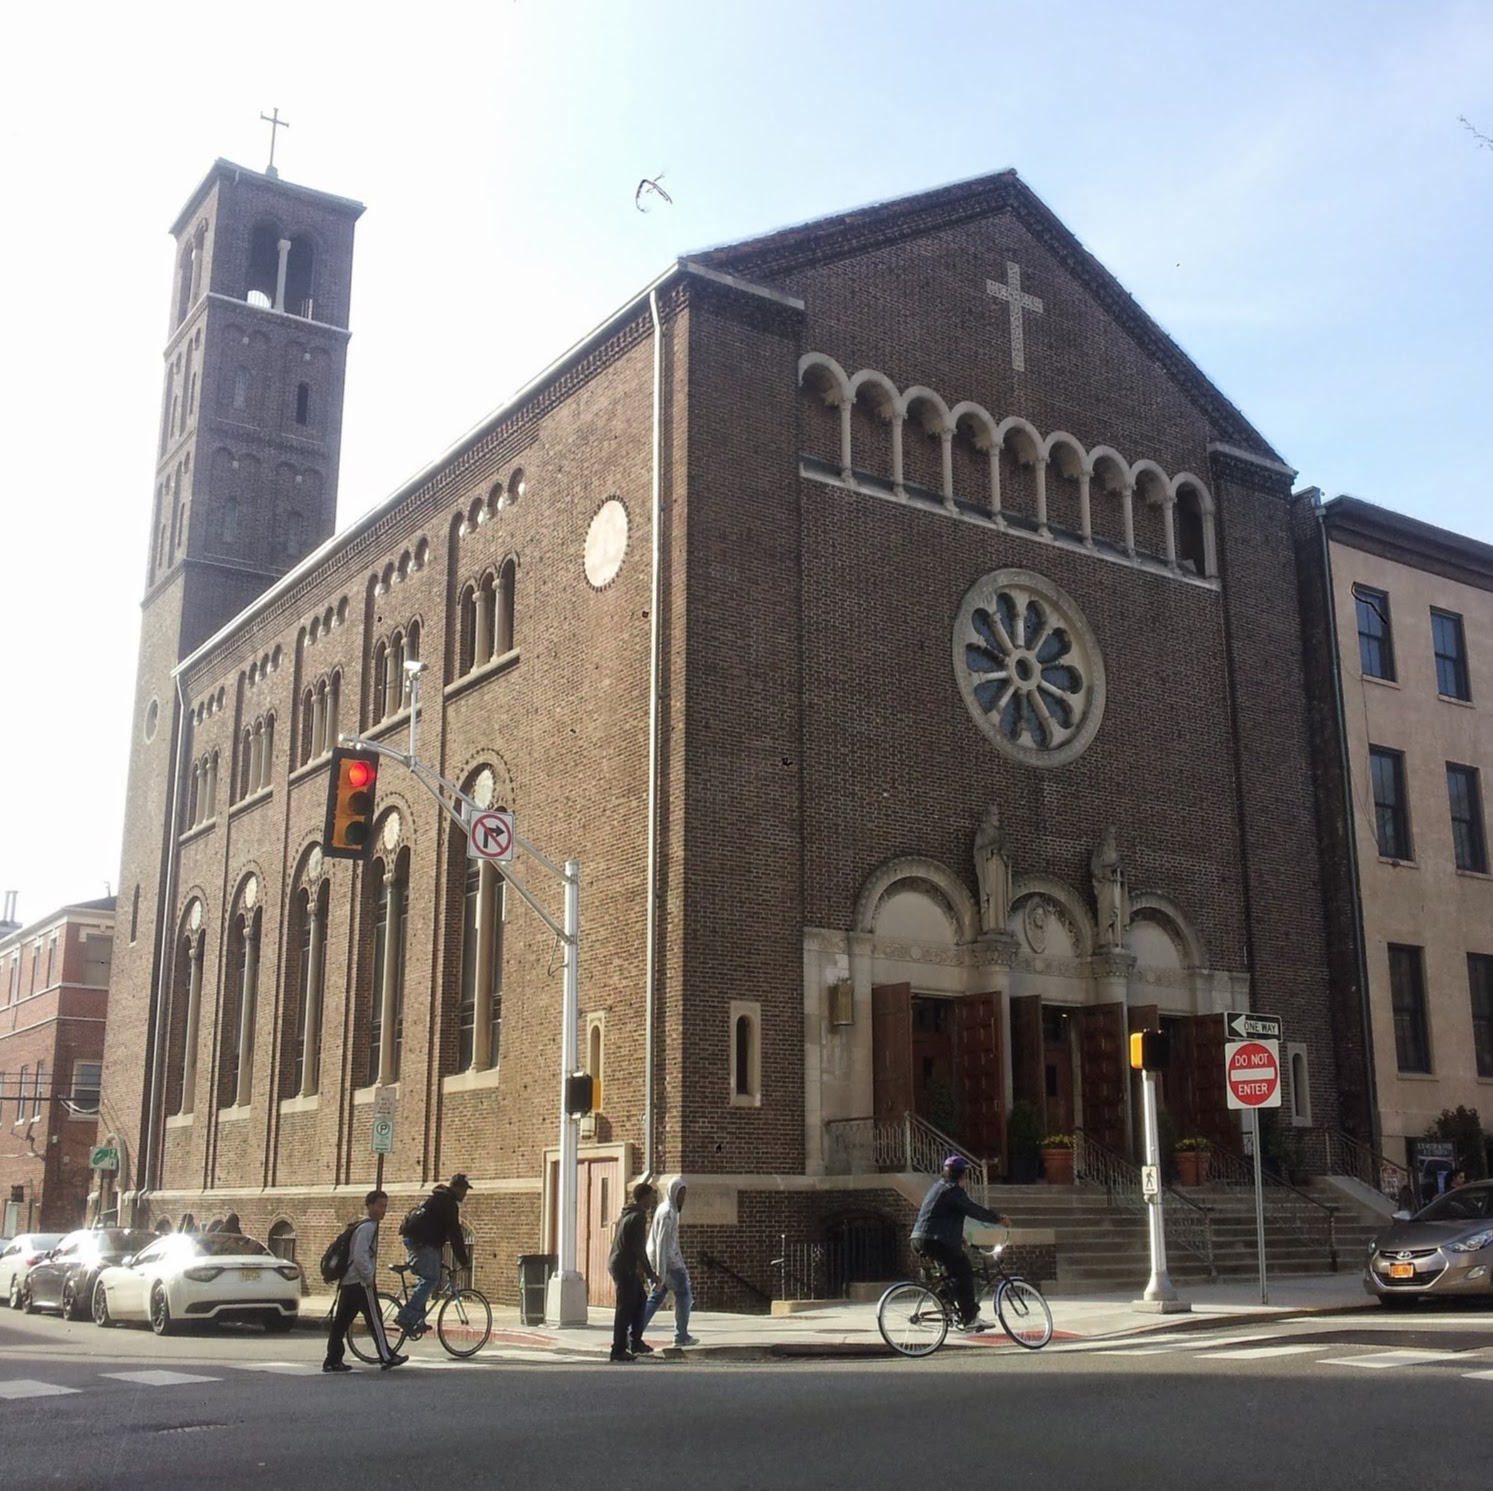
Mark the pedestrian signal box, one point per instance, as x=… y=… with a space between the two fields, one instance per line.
x=350 y=793
x=580 y=1090
x=1149 y=1050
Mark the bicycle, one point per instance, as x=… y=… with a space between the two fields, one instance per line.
x=463 y=1321
x=914 y=1316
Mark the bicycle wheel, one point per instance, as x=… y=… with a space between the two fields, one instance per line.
x=360 y=1339
x=465 y=1322
x=912 y=1320
x=1024 y=1314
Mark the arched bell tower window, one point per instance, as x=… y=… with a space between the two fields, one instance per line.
x=299 y=265
x=264 y=265
x=188 y=276
x=302 y=403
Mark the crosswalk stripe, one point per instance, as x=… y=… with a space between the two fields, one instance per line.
x=29 y=1387
x=1259 y=1353
x=1382 y=1360
x=158 y=1378
x=1485 y=1376
x=289 y=1369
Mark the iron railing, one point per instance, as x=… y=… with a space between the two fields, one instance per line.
x=1281 y=1202
x=856 y=1146
x=827 y=1269
x=1187 y=1224
x=1331 y=1152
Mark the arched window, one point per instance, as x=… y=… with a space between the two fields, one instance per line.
x=246 y=752
x=302 y=403
x=466 y=612
x=309 y=722
x=300 y=267
x=264 y=265
x=184 y=289
x=230 y=520
x=394 y=676
x=595 y=1039
x=503 y=640
x=1192 y=547
x=282 y=1240
x=746 y=1053
x=479 y=1015
x=391 y=906
x=241 y=388
x=238 y=1005
x=377 y=690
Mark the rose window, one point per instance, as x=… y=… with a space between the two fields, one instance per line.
x=1028 y=667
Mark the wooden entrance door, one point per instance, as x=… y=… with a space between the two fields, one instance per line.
x=981 y=1096
x=934 y=1085
x=891 y=1050
x=1102 y=1066
x=1057 y=1070
x=598 y=1203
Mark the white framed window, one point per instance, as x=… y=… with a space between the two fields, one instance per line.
x=88 y=1078
x=746 y=1054
x=1301 y=1084
x=594 y=1057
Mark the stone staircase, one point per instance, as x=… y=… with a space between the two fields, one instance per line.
x=1100 y=1247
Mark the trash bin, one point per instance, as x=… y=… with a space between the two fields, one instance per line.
x=534 y=1270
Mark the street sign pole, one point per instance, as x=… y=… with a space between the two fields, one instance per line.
x=1251 y=1065
x=1260 y=1211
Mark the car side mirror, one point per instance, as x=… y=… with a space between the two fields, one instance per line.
x=1401 y=1216
x=127 y=1261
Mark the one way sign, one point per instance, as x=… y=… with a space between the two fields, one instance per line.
x=1241 y=1025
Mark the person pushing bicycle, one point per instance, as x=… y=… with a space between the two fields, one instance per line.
x=938 y=1234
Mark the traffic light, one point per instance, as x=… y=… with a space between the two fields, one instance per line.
x=1150 y=1050
x=580 y=1090
x=349 y=827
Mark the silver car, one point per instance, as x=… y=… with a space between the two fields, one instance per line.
x=1445 y=1249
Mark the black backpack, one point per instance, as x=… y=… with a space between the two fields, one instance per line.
x=338 y=1255
x=415 y=1224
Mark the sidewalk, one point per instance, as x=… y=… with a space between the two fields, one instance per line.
x=845 y=1329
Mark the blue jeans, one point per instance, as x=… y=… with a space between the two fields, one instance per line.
x=426 y=1263
x=673 y=1281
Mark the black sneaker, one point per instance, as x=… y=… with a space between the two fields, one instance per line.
x=335 y=1367
x=642 y=1348
x=397 y=1360
x=621 y=1357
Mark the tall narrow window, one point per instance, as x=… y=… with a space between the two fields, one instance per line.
x=230 y=520
x=1464 y=795
x=241 y=388
x=88 y=1078
x=746 y=1054
x=37 y=1083
x=466 y=1013
x=1407 y=986
x=1480 y=983
x=504 y=640
x=376 y=1020
x=1391 y=814
x=135 y=914
x=296 y=1012
x=1376 y=654
x=302 y=403
x=21 y=1094
x=1451 y=655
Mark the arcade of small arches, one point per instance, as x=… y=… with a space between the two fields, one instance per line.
x=1006 y=471
x=388 y=680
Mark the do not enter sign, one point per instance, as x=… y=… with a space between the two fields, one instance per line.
x=1253 y=1071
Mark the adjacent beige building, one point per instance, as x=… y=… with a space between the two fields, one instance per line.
x=1413 y=615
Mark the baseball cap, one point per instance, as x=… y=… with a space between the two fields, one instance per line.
x=459 y=1182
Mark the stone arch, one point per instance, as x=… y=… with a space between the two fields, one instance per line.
x=1152 y=505
x=1066 y=478
x=822 y=373
x=926 y=449
x=1068 y=899
x=826 y=410
x=976 y=470
x=1193 y=516
x=960 y=904
x=876 y=426
x=1167 y=913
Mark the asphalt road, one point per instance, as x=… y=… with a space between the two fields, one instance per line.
x=1360 y=1402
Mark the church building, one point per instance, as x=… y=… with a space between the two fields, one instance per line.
x=895 y=624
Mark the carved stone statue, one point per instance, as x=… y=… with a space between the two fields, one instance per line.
x=1110 y=894
x=993 y=871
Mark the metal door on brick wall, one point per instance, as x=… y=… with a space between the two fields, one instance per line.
x=598 y=1203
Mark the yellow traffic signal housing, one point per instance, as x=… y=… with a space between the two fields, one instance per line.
x=349 y=827
x=1150 y=1050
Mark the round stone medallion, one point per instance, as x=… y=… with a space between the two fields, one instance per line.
x=484 y=788
x=392 y=830
x=1029 y=668
x=606 y=543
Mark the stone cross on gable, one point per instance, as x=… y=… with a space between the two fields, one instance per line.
x=1011 y=292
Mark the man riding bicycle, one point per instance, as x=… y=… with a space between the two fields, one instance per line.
x=938 y=1235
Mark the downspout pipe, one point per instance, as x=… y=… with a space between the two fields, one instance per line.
x=1340 y=723
x=650 y=964
x=150 y=1139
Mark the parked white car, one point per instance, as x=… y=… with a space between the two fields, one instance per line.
x=188 y=1276
x=18 y=1256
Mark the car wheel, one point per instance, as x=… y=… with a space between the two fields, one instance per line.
x=28 y=1305
x=160 y=1311
x=15 y=1293
x=69 y=1301
x=101 y=1315
x=277 y=1324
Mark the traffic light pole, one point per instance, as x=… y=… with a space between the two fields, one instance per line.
x=565 y=1300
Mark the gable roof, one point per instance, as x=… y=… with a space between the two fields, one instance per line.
x=844 y=235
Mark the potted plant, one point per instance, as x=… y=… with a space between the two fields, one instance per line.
x=1023 y=1143
x=1193 y=1160
x=1057 y=1159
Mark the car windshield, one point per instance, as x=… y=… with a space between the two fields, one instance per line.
x=116 y=1241
x=1465 y=1204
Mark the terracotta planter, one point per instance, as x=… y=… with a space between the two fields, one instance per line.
x=1192 y=1166
x=1057 y=1165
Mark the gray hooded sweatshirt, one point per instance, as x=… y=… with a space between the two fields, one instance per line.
x=664 y=1251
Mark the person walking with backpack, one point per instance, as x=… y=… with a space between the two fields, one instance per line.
x=628 y=1267
x=355 y=1289
x=667 y=1258
x=426 y=1229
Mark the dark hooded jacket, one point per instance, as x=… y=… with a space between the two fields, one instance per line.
x=630 y=1244
x=943 y=1212
x=441 y=1224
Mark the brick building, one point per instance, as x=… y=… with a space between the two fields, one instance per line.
x=54 y=995
x=876 y=610
x=1401 y=688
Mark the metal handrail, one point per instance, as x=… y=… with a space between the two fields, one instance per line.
x=1363 y=1163
x=1238 y=1171
x=903 y=1144
x=1188 y=1224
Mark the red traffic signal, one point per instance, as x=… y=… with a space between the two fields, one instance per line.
x=350 y=796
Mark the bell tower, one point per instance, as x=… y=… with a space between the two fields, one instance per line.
x=245 y=487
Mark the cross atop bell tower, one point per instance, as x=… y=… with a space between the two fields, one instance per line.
x=251 y=409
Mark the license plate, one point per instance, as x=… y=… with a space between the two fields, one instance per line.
x=253 y=1273
x=1402 y=1270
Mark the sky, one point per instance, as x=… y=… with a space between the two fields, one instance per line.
x=1285 y=187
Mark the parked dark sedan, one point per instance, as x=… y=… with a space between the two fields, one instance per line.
x=1446 y=1248
x=64 y=1279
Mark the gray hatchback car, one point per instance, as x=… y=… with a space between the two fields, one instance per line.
x=1445 y=1249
